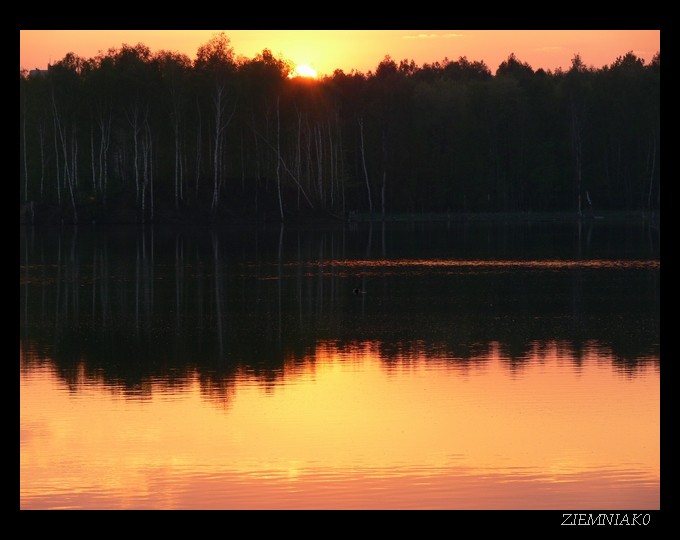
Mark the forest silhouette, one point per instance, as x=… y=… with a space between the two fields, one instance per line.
x=132 y=136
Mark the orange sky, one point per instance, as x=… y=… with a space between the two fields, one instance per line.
x=362 y=50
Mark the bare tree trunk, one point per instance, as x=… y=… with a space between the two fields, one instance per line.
x=101 y=155
x=68 y=180
x=363 y=162
x=258 y=172
x=94 y=175
x=56 y=157
x=41 y=135
x=105 y=134
x=133 y=120
x=71 y=177
x=177 y=163
x=577 y=149
x=219 y=110
x=308 y=163
x=384 y=178
x=331 y=162
x=219 y=101
x=23 y=130
x=136 y=168
x=382 y=194
x=278 y=161
x=151 y=174
x=223 y=166
x=174 y=98
x=318 y=145
x=243 y=164
x=342 y=164
x=298 y=155
x=74 y=157
x=182 y=167
x=145 y=171
x=198 y=146
x=651 y=173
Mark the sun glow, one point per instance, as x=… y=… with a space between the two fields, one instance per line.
x=303 y=70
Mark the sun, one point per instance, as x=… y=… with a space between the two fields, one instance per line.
x=304 y=70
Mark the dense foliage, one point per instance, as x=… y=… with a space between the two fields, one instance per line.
x=132 y=135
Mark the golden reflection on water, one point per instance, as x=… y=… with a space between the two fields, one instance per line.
x=558 y=264
x=347 y=428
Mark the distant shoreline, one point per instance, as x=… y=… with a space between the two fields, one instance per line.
x=43 y=215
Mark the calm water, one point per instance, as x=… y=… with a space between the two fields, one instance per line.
x=479 y=366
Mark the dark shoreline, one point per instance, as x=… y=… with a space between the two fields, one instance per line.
x=44 y=215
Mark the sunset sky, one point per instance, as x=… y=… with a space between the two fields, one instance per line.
x=361 y=50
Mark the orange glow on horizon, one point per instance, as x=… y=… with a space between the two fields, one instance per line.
x=360 y=50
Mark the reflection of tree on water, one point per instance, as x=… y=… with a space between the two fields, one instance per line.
x=218 y=300
x=138 y=303
x=279 y=280
x=144 y=280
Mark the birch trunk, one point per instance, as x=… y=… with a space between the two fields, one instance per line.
x=94 y=175
x=145 y=173
x=41 y=136
x=318 y=146
x=198 y=146
x=133 y=120
x=68 y=181
x=177 y=164
x=23 y=130
x=219 y=110
x=151 y=174
x=331 y=163
x=174 y=97
x=278 y=161
x=576 y=149
x=651 y=173
x=221 y=123
x=298 y=155
x=105 y=137
x=56 y=157
x=384 y=178
x=363 y=162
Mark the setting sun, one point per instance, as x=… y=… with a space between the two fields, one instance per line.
x=303 y=70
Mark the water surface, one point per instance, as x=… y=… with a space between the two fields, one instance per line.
x=475 y=366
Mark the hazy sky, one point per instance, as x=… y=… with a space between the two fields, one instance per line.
x=362 y=50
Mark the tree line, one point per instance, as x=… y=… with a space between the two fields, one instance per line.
x=136 y=136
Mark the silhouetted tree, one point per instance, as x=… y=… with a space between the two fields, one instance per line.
x=123 y=135
x=215 y=60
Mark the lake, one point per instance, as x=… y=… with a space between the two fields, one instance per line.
x=478 y=365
